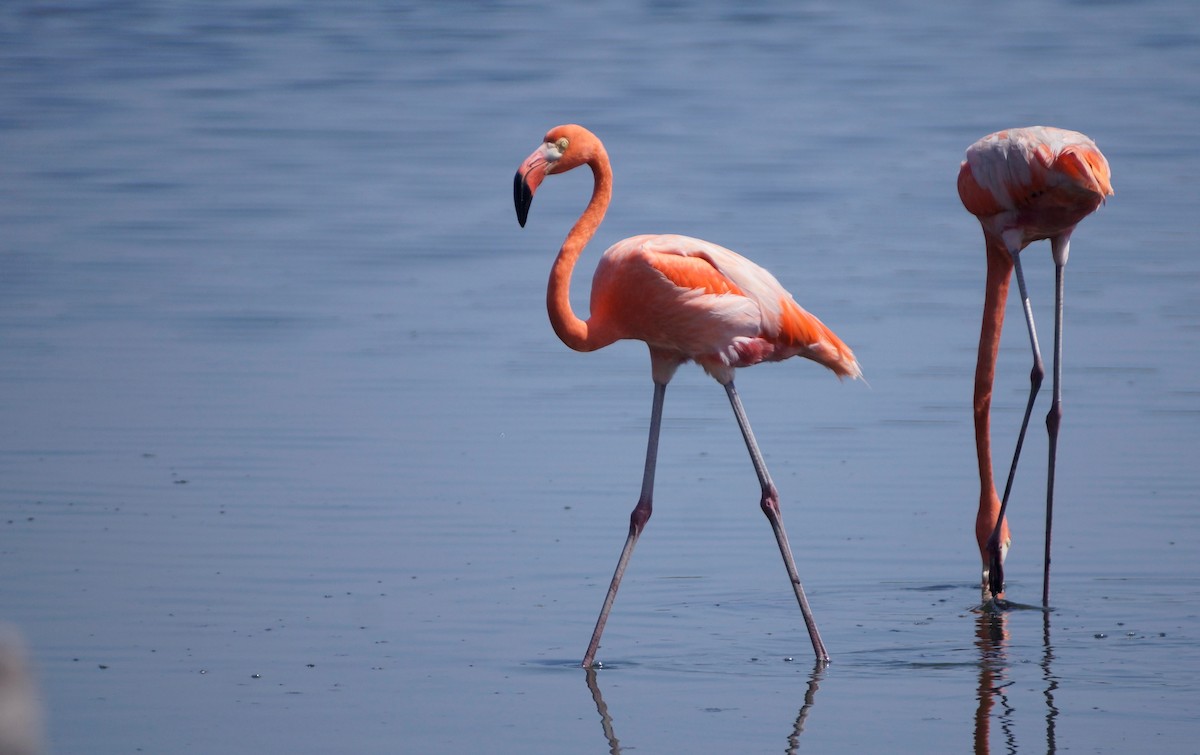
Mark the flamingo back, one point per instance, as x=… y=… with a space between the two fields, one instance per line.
x=702 y=302
x=1012 y=169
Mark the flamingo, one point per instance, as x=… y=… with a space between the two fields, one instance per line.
x=688 y=300
x=1024 y=185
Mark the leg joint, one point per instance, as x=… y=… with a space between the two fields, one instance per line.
x=639 y=516
x=1054 y=417
x=1037 y=373
x=770 y=502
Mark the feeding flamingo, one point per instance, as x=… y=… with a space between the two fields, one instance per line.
x=1024 y=185
x=689 y=300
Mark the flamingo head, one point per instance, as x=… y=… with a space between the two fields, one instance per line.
x=994 y=539
x=993 y=569
x=565 y=147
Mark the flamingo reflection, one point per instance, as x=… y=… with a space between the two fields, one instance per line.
x=992 y=641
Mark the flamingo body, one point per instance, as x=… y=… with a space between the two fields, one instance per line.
x=1024 y=185
x=1033 y=183
x=688 y=300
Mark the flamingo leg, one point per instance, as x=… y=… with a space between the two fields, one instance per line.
x=637 y=522
x=995 y=565
x=770 y=507
x=1060 y=246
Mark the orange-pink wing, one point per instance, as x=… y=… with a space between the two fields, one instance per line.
x=1010 y=169
x=709 y=304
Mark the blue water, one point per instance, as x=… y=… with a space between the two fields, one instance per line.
x=293 y=462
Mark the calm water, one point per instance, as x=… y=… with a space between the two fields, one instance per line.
x=293 y=462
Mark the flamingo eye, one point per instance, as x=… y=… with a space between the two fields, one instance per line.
x=554 y=148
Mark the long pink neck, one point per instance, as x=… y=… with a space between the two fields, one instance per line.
x=573 y=331
x=999 y=273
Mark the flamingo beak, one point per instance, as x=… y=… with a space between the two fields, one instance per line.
x=525 y=183
x=995 y=578
x=994 y=574
x=522 y=197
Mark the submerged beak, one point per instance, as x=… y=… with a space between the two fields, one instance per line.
x=994 y=574
x=529 y=177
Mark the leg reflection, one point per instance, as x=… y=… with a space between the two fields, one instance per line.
x=1051 y=683
x=614 y=746
x=810 y=696
x=793 y=740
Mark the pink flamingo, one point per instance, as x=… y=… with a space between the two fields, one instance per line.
x=1024 y=185
x=689 y=300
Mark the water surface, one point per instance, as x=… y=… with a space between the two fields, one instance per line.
x=293 y=461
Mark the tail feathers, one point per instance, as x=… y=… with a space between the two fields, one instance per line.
x=805 y=335
x=1087 y=168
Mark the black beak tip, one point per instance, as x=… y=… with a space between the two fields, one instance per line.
x=996 y=578
x=522 y=198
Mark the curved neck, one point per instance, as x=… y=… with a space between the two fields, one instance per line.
x=999 y=274
x=573 y=331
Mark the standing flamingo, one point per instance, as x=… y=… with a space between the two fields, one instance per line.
x=689 y=300
x=1024 y=185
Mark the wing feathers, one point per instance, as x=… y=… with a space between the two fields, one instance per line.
x=707 y=303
